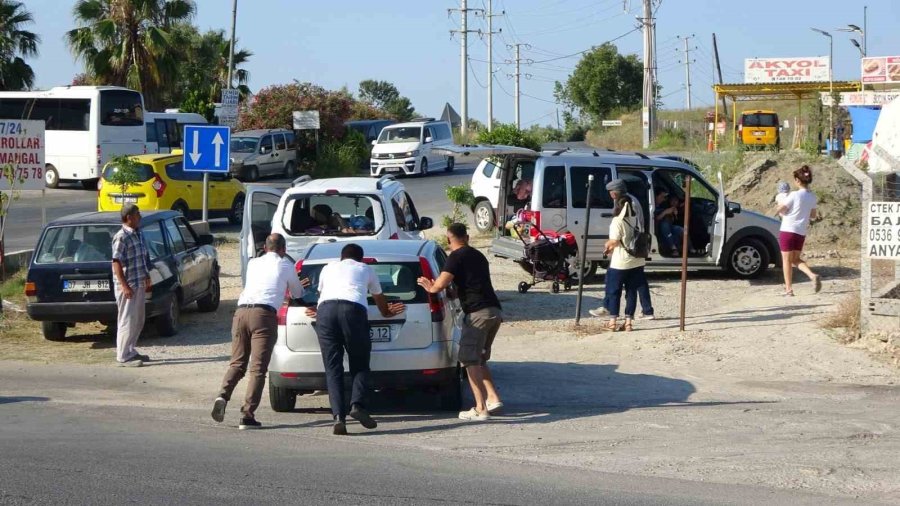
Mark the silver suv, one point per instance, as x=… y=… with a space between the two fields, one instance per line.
x=257 y=153
x=416 y=349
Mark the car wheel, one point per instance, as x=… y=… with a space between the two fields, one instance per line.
x=282 y=399
x=748 y=259
x=451 y=394
x=451 y=163
x=51 y=177
x=53 y=331
x=181 y=208
x=167 y=323
x=290 y=170
x=589 y=271
x=210 y=302
x=424 y=167
x=236 y=216
x=484 y=216
x=251 y=174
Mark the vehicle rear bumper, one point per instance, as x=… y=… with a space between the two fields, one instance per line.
x=309 y=382
x=83 y=312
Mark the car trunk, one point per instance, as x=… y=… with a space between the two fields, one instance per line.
x=146 y=179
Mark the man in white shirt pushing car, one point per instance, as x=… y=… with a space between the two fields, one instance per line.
x=254 y=328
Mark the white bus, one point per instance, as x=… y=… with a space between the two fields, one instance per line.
x=165 y=129
x=85 y=127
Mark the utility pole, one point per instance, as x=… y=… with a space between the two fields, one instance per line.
x=718 y=69
x=489 y=15
x=687 y=69
x=648 y=111
x=231 y=46
x=463 y=63
x=518 y=76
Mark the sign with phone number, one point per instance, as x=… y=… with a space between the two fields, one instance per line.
x=21 y=154
x=884 y=230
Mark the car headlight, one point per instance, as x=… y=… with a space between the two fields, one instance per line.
x=236 y=162
x=412 y=153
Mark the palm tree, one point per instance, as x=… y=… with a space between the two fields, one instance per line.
x=220 y=47
x=16 y=44
x=127 y=43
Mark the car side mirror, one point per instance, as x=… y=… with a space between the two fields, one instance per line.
x=425 y=223
x=428 y=140
x=206 y=239
x=263 y=150
x=733 y=208
x=374 y=142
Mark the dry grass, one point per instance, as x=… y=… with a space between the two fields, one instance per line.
x=845 y=318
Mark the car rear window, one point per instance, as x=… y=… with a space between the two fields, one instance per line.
x=398 y=282
x=760 y=120
x=76 y=244
x=145 y=172
x=334 y=215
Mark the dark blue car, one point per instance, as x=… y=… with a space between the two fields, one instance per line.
x=70 y=277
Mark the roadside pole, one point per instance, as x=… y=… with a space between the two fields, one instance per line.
x=581 y=263
x=684 y=246
x=205 y=196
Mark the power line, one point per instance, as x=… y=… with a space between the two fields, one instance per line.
x=629 y=32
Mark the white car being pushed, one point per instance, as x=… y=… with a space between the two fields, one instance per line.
x=415 y=349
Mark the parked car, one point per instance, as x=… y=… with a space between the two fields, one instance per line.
x=407 y=148
x=69 y=279
x=327 y=210
x=416 y=349
x=724 y=235
x=259 y=153
x=164 y=185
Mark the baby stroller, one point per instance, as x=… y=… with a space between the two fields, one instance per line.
x=547 y=254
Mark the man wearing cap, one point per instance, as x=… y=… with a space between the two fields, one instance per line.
x=617 y=189
x=131 y=281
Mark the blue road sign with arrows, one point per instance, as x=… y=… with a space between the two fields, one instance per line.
x=207 y=148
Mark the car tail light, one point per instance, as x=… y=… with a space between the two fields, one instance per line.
x=536 y=218
x=331 y=192
x=435 y=304
x=430 y=372
x=159 y=186
x=289 y=374
x=30 y=289
x=394 y=236
x=282 y=315
x=298 y=266
x=368 y=260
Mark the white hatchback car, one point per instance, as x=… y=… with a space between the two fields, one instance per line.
x=327 y=210
x=416 y=349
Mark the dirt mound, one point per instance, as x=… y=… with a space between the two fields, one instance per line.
x=837 y=232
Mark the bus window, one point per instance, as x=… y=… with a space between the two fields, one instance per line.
x=121 y=108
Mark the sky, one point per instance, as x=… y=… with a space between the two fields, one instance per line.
x=406 y=42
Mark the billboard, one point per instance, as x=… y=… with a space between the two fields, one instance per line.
x=786 y=70
x=881 y=69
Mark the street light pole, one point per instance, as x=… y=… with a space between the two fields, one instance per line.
x=830 y=86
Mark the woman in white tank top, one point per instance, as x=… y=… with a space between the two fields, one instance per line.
x=797 y=210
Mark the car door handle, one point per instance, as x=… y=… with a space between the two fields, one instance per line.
x=606 y=215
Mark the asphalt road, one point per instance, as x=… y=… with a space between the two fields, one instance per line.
x=63 y=453
x=25 y=223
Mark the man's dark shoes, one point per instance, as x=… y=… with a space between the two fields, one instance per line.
x=218 y=411
x=340 y=428
x=142 y=358
x=249 y=423
x=360 y=414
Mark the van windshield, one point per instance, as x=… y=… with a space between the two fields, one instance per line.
x=398 y=282
x=243 y=144
x=761 y=120
x=402 y=134
x=334 y=215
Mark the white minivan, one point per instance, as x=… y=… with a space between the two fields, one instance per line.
x=723 y=234
x=408 y=148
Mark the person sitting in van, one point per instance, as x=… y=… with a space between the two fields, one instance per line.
x=665 y=214
x=325 y=220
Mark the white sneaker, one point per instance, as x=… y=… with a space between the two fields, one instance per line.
x=647 y=316
x=473 y=415
x=600 y=312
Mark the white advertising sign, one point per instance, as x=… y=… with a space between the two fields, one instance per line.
x=849 y=98
x=786 y=70
x=21 y=154
x=306 y=120
x=611 y=122
x=881 y=69
x=884 y=230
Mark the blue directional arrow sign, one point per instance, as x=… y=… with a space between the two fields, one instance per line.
x=207 y=148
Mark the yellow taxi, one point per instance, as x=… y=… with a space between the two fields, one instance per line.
x=165 y=185
x=760 y=129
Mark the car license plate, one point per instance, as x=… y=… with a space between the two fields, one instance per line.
x=380 y=334
x=759 y=133
x=86 y=285
x=125 y=200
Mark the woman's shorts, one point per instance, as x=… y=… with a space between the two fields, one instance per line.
x=789 y=241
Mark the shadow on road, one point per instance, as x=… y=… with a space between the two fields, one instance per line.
x=12 y=400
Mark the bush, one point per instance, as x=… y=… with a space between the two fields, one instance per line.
x=508 y=135
x=670 y=138
x=461 y=197
x=126 y=172
x=342 y=158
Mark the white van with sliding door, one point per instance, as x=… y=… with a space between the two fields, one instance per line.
x=408 y=148
x=723 y=235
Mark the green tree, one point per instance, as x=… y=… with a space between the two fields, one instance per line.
x=508 y=135
x=16 y=44
x=602 y=81
x=128 y=42
x=386 y=97
x=126 y=172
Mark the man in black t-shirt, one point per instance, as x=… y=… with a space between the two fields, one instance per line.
x=468 y=269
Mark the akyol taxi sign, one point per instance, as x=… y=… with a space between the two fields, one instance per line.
x=786 y=70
